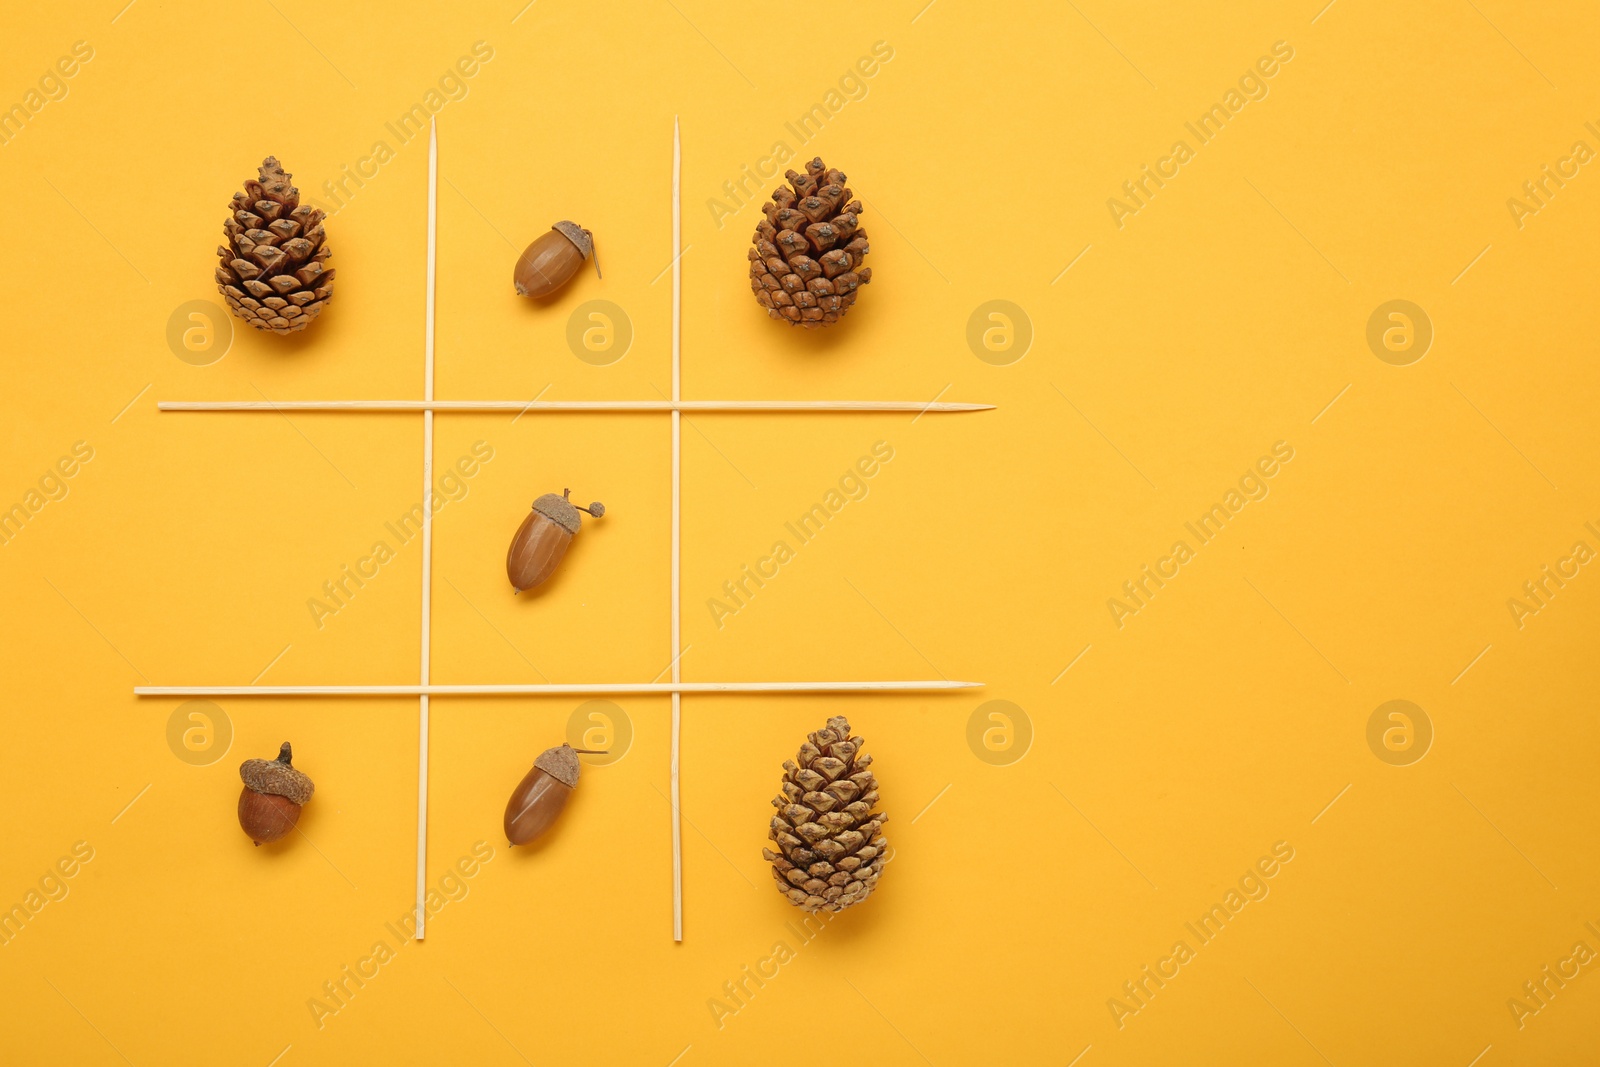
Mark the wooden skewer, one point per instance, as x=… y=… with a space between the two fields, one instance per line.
x=547 y=689
x=427 y=530
x=677 y=524
x=559 y=406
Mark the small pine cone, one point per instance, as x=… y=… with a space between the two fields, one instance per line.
x=274 y=272
x=831 y=840
x=805 y=266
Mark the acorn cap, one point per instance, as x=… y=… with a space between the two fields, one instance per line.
x=577 y=235
x=277 y=777
x=559 y=510
x=560 y=763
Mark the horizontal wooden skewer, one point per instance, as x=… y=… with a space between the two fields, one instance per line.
x=580 y=689
x=568 y=405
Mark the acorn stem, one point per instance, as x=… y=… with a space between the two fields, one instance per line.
x=593 y=751
x=286 y=755
x=567 y=493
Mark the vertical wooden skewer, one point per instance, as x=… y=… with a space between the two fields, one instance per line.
x=427 y=530
x=677 y=492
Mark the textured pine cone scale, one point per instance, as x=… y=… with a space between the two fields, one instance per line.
x=274 y=272
x=831 y=840
x=805 y=263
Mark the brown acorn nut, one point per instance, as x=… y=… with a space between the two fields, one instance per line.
x=543 y=537
x=542 y=794
x=553 y=258
x=274 y=792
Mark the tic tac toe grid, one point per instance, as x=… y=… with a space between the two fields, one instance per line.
x=427 y=406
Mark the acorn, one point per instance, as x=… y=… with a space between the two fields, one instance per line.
x=553 y=258
x=274 y=792
x=542 y=794
x=542 y=539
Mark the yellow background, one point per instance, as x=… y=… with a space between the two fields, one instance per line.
x=1224 y=717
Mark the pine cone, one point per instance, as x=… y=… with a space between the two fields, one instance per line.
x=806 y=263
x=273 y=275
x=833 y=850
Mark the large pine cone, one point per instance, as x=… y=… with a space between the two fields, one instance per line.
x=833 y=848
x=806 y=263
x=273 y=275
